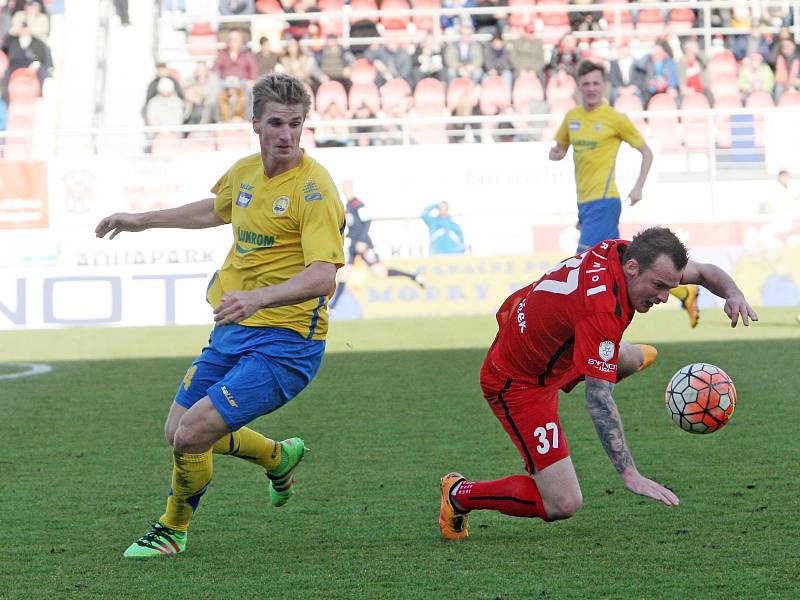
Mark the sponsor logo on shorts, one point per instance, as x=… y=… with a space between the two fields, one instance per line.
x=606 y=350
x=602 y=366
x=229 y=397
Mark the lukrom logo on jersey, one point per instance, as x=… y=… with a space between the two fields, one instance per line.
x=257 y=241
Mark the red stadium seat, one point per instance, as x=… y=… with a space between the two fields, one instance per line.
x=649 y=24
x=723 y=122
x=394 y=93
x=495 y=95
x=558 y=108
x=23 y=86
x=365 y=93
x=664 y=128
x=526 y=91
x=3 y=63
x=681 y=19
x=331 y=91
x=457 y=89
x=330 y=21
x=559 y=87
x=696 y=128
x=554 y=26
x=426 y=22
x=790 y=98
x=362 y=71
x=357 y=5
x=521 y=20
x=268 y=7
x=429 y=133
x=724 y=85
x=396 y=22
x=201 y=39
x=429 y=92
x=630 y=103
x=723 y=63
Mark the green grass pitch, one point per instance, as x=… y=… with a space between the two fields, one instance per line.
x=397 y=404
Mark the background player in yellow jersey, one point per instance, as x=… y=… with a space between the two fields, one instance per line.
x=595 y=132
x=269 y=302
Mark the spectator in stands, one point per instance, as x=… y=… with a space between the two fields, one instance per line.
x=5 y=19
x=464 y=58
x=163 y=109
x=775 y=47
x=201 y=95
x=496 y=60
x=755 y=42
x=491 y=22
x=456 y=21
x=446 y=234
x=152 y=88
x=26 y=51
x=314 y=41
x=428 y=61
x=299 y=28
x=692 y=76
x=584 y=20
x=779 y=15
x=331 y=135
x=787 y=68
x=660 y=74
x=335 y=62
x=299 y=63
x=625 y=74
x=391 y=60
x=37 y=19
x=565 y=55
x=266 y=58
x=742 y=19
x=526 y=54
x=784 y=198
x=237 y=69
x=755 y=75
x=229 y=8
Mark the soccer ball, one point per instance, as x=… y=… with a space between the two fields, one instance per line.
x=700 y=398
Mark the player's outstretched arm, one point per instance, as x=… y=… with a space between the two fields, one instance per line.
x=608 y=425
x=195 y=215
x=719 y=283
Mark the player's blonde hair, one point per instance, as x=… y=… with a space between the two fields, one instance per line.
x=281 y=88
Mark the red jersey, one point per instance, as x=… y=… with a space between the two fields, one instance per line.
x=567 y=324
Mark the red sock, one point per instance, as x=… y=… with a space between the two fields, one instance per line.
x=517 y=496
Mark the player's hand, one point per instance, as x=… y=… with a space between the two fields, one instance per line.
x=119 y=222
x=236 y=307
x=635 y=195
x=643 y=486
x=558 y=152
x=737 y=306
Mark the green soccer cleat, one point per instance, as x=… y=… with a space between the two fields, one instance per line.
x=282 y=477
x=159 y=541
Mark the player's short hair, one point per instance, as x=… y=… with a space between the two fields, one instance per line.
x=281 y=88
x=587 y=66
x=651 y=243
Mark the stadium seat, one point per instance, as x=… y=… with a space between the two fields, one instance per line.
x=313 y=108
x=627 y=103
x=724 y=85
x=23 y=86
x=201 y=39
x=268 y=7
x=21 y=116
x=521 y=20
x=393 y=93
x=427 y=23
x=759 y=99
x=331 y=91
x=166 y=144
x=696 y=128
x=357 y=5
x=395 y=23
x=558 y=108
x=3 y=63
x=527 y=90
x=233 y=140
x=330 y=21
x=429 y=92
x=457 y=89
x=664 y=128
x=554 y=26
x=365 y=93
x=649 y=24
x=722 y=63
x=307 y=139
x=495 y=95
x=790 y=98
x=560 y=87
x=681 y=19
x=723 y=122
x=429 y=133
x=362 y=71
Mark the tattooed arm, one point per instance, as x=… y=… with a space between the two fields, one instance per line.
x=608 y=425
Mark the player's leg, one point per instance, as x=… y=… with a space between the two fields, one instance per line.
x=687 y=294
x=376 y=267
x=634 y=357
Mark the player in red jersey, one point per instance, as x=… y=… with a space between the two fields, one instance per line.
x=563 y=328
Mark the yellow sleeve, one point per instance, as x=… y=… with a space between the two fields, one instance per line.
x=562 y=135
x=222 y=197
x=322 y=223
x=627 y=130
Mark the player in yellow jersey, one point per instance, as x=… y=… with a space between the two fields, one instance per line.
x=595 y=132
x=269 y=302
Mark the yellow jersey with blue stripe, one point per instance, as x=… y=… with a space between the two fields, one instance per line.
x=280 y=225
x=595 y=137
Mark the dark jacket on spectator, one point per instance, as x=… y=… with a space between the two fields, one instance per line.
x=526 y=54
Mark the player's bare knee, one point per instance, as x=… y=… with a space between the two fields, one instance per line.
x=185 y=441
x=563 y=506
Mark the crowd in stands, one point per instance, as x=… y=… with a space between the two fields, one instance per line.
x=493 y=63
x=25 y=60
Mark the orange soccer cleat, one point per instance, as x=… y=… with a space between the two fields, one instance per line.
x=650 y=356
x=453 y=525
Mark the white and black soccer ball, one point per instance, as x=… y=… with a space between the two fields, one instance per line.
x=700 y=398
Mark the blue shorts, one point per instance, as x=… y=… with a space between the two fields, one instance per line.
x=250 y=371
x=599 y=221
